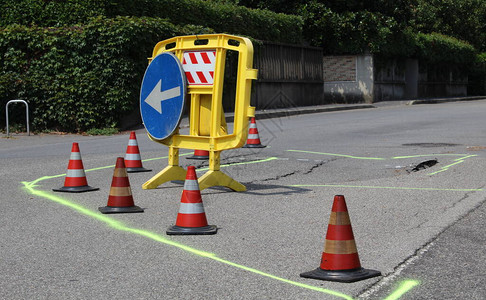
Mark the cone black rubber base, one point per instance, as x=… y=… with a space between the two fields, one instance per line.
x=253 y=146
x=120 y=210
x=179 y=230
x=136 y=170
x=342 y=275
x=198 y=157
x=76 y=189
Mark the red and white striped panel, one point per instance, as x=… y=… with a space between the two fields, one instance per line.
x=199 y=67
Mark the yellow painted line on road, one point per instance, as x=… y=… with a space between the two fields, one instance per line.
x=242 y=163
x=31 y=186
x=445 y=168
x=442 y=169
x=111 y=166
x=340 y=155
x=437 y=154
x=404 y=287
x=384 y=187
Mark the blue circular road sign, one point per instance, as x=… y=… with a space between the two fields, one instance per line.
x=162 y=96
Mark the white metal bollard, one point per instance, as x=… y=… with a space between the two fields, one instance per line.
x=26 y=114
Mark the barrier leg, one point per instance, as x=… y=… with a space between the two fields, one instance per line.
x=214 y=177
x=172 y=172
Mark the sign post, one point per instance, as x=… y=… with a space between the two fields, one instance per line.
x=203 y=62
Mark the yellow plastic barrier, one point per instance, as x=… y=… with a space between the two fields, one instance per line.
x=207 y=122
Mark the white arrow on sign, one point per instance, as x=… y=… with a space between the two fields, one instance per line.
x=156 y=96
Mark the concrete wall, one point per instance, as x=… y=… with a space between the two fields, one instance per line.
x=348 y=79
x=367 y=78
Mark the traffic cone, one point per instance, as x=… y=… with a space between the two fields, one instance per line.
x=120 y=199
x=75 y=181
x=199 y=155
x=191 y=218
x=340 y=260
x=133 y=160
x=253 y=140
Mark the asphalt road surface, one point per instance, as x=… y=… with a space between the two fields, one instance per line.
x=412 y=176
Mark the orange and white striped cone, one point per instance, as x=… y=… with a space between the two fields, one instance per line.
x=75 y=181
x=340 y=260
x=253 y=140
x=133 y=160
x=191 y=218
x=120 y=199
x=199 y=155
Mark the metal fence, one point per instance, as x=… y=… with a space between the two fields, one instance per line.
x=288 y=76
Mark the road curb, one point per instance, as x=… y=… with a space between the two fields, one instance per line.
x=279 y=113
x=303 y=110
x=444 y=100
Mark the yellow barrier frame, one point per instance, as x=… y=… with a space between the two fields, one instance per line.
x=207 y=122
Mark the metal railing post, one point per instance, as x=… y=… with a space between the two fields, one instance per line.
x=26 y=114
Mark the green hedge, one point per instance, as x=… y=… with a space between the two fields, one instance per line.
x=79 y=77
x=259 y=24
x=351 y=32
x=477 y=76
x=435 y=47
x=47 y=13
x=256 y=23
x=480 y=62
x=363 y=31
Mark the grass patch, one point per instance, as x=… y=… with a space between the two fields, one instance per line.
x=102 y=131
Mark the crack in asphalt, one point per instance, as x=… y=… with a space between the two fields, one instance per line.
x=231 y=160
x=304 y=172
x=315 y=167
x=277 y=177
x=466 y=195
x=224 y=160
